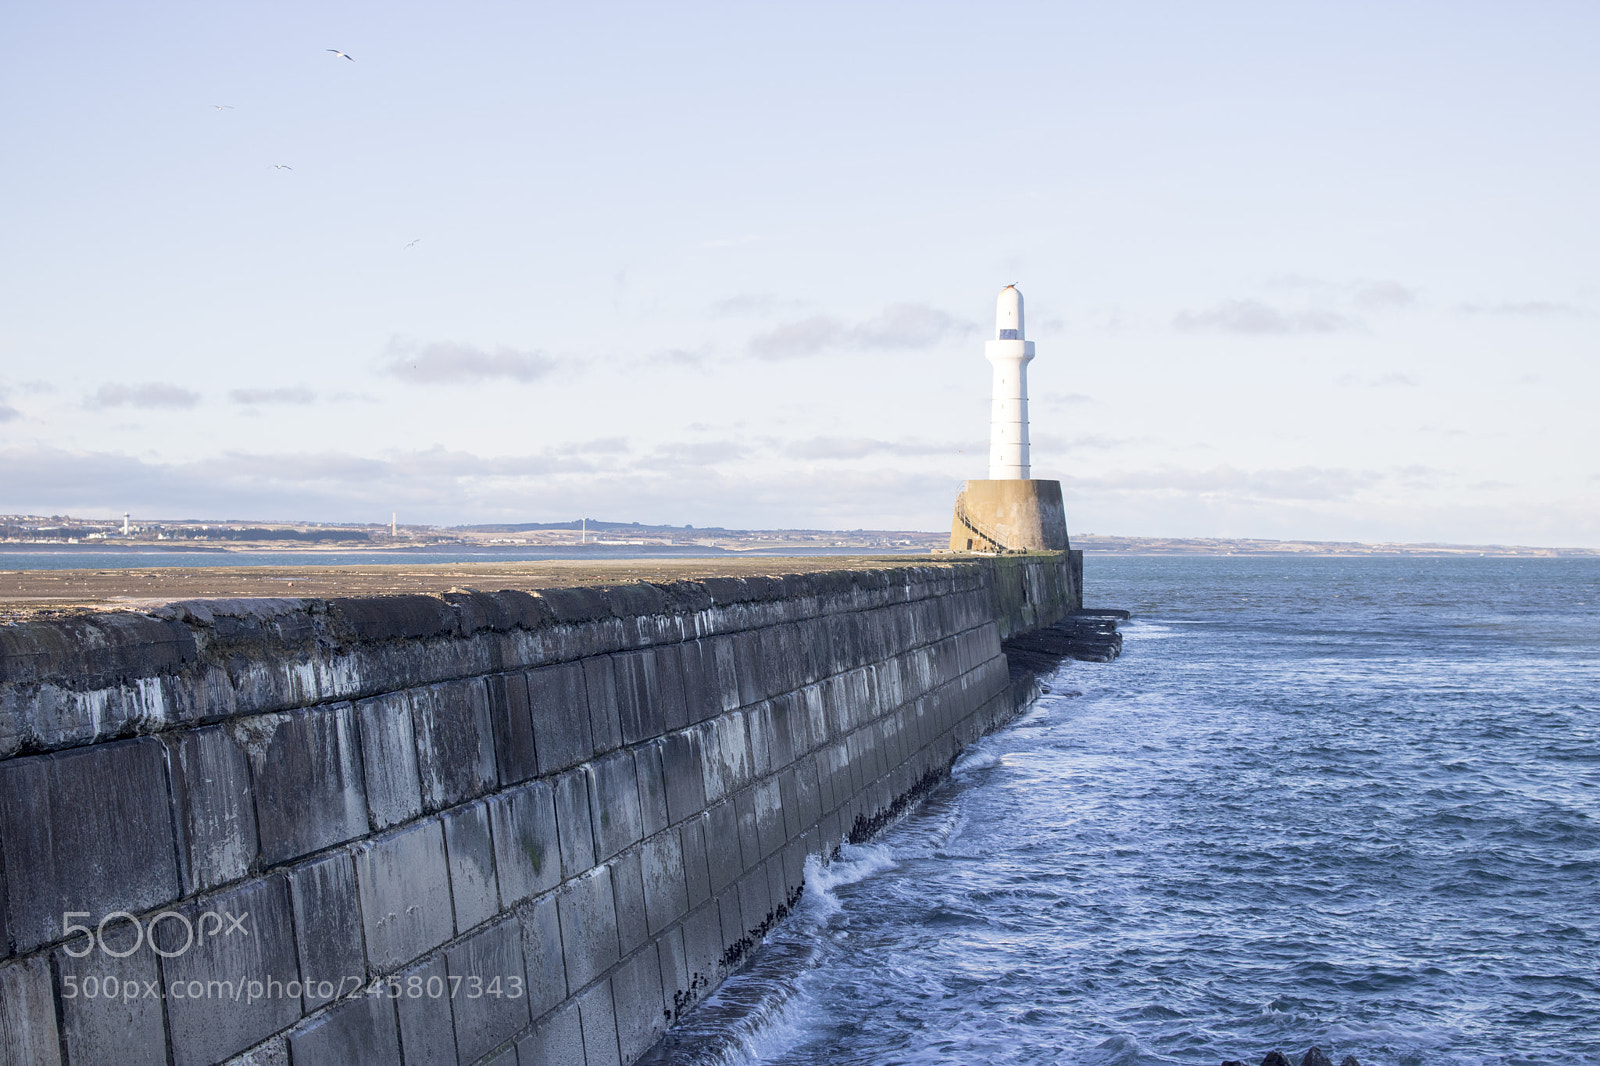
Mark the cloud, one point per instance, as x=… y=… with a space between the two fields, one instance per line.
x=1063 y=399
x=7 y=412
x=1297 y=483
x=751 y=304
x=447 y=363
x=797 y=339
x=898 y=326
x=1524 y=309
x=293 y=395
x=1252 y=317
x=1384 y=381
x=731 y=242
x=1383 y=296
x=859 y=447
x=154 y=394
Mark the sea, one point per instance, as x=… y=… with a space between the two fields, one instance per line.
x=1351 y=803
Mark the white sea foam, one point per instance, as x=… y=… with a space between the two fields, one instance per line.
x=856 y=862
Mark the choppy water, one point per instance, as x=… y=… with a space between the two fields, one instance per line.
x=1352 y=803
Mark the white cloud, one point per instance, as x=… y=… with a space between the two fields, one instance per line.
x=153 y=394
x=898 y=326
x=292 y=395
x=1252 y=317
x=1523 y=309
x=448 y=363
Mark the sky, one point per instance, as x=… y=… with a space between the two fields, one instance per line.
x=1294 y=270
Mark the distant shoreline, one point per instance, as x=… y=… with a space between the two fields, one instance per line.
x=1101 y=545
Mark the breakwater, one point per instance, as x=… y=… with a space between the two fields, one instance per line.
x=471 y=827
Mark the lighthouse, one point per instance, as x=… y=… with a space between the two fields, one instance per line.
x=1010 y=353
x=1010 y=510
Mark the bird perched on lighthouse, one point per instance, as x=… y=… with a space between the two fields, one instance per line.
x=1010 y=355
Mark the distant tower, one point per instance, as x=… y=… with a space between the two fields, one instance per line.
x=1008 y=410
x=1010 y=511
x=125 y=517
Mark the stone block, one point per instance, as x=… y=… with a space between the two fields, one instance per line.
x=542 y=955
x=111 y=1029
x=327 y=923
x=676 y=993
x=389 y=759
x=725 y=755
x=790 y=729
x=614 y=803
x=726 y=663
x=485 y=969
x=599 y=1019
x=270 y=1052
x=770 y=830
x=732 y=925
x=427 y=1033
x=703 y=945
x=638 y=688
x=605 y=725
x=696 y=871
x=755 y=899
x=697 y=671
x=92 y=830
x=574 y=821
x=779 y=660
x=516 y=759
x=627 y=885
x=758 y=723
x=527 y=846
x=404 y=880
x=636 y=995
x=724 y=857
x=666 y=895
x=250 y=942
x=555 y=1041
x=370 y=619
x=455 y=743
x=789 y=791
x=558 y=701
x=588 y=915
x=683 y=775
x=213 y=808
x=28 y=1033
x=652 y=787
x=359 y=1032
x=470 y=849
x=749 y=829
x=308 y=781
x=749 y=667
x=671 y=697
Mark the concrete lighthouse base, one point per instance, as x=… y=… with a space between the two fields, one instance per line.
x=993 y=516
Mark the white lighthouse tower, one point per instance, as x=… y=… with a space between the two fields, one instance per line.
x=1010 y=353
x=1010 y=511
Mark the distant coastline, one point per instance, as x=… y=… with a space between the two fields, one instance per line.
x=583 y=537
x=1099 y=544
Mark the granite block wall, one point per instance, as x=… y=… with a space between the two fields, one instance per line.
x=510 y=827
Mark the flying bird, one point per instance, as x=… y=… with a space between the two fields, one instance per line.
x=336 y=52
x=413 y=242
x=280 y=166
x=224 y=107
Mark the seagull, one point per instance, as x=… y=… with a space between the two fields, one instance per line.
x=280 y=166
x=224 y=107
x=336 y=52
x=409 y=245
